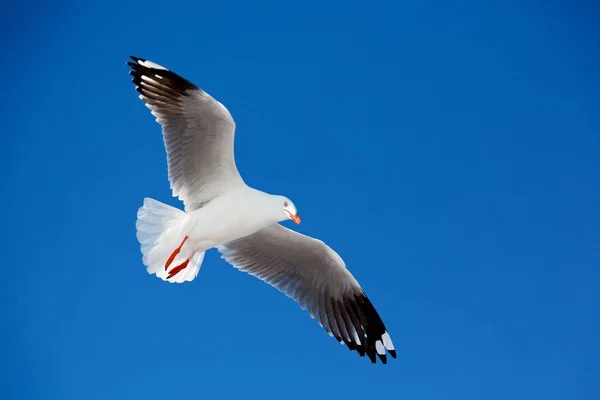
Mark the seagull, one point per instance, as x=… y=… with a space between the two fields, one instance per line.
x=242 y=223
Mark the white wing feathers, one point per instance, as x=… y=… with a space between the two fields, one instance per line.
x=314 y=275
x=198 y=133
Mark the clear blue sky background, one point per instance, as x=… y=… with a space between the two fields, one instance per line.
x=450 y=153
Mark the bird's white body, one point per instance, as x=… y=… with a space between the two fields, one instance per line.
x=222 y=212
x=228 y=217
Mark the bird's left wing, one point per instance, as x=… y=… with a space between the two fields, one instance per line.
x=198 y=133
x=314 y=275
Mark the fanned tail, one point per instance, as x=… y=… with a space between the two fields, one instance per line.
x=160 y=232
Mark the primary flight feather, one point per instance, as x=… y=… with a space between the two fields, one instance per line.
x=241 y=222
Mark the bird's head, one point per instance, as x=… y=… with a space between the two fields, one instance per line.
x=288 y=209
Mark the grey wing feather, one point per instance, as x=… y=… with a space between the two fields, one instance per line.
x=314 y=275
x=198 y=133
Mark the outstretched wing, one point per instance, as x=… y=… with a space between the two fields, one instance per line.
x=198 y=133
x=314 y=275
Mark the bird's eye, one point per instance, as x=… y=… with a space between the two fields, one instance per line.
x=285 y=203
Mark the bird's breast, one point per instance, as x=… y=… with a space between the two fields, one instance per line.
x=214 y=226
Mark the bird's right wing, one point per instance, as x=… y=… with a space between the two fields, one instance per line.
x=314 y=275
x=198 y=133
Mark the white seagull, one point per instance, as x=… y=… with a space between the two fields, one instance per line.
x=222 y=212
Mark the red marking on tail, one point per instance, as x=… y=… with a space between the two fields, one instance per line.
x=174 y=254
x=178 y=269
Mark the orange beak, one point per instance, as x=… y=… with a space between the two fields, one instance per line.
x=295 y=218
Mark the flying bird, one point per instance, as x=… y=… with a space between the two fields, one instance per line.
x=241 y=222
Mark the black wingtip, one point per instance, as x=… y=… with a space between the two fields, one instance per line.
x=392 y=353
x=372 y=357
x=361 y=350
x=173 y=81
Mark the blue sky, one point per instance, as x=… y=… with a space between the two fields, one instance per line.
x=450 y=154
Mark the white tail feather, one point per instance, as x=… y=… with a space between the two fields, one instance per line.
x=160 y=231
